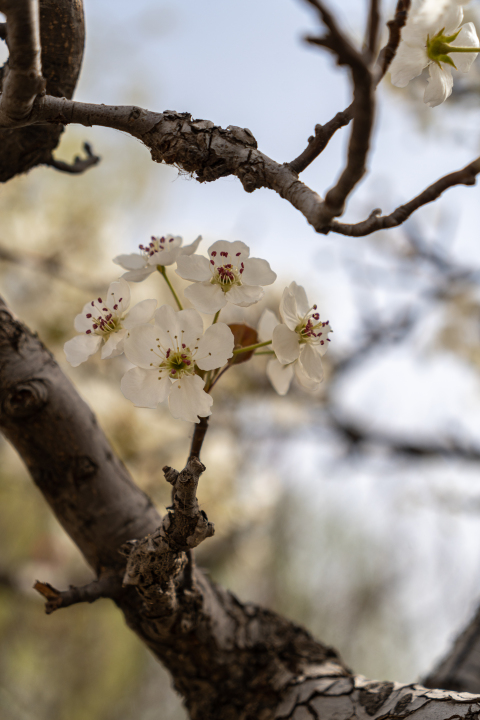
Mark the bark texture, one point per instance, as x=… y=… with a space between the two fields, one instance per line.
x=62 y=34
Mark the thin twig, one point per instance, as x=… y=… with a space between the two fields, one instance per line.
x=198 y=437
x=373 y=28
x=363 y=115
x=3 y=31
x=376 y=221
x=324 y=133
x=109 y=586
x=78 y=166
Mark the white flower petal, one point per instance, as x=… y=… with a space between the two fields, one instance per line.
x=144 y=387
x=114 y=345
x=258 y=272
x=79 y=348
x=407 y=64
x=167 y=319
x=303 y=306
x=439 y=86
x=134 y=261
x=311 y=362
x=206 y=297
x=236 y=252
x=139 y=275
x=140 y=346
x=280 y=376
x=215 y=347
x=193 y=267
x=467 y=37
x=267 y=323
x=81 y=322
x=305 y=381
x=118 y=294
x=140 y=313
x=245 y=295
x=451 y=18
x=286 y=345
x=190 y=325
x=190 y=249
x=187 y=399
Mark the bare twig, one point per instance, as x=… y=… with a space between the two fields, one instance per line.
x=324 y=133
x=79 y=165
x=395 y=30
x=373 y=28
x=109 y=586
x=376 y=221
x=363 y=114
x=198 y=437
x=318 y=143
x=22 y=80
x=3 y=31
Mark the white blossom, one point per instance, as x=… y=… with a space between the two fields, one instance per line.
x=434 y=36
x=166 y=355
x=107 y=321
x=230 y=275
x=299 y=342
x=161 y=251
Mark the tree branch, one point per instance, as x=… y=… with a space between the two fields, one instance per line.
x=324 y=133
x=376 y=221
x=373 y=27
x=78 y=166
x=109 y=586
x=23 y=79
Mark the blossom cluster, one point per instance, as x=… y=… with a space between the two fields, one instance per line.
x=174 y=358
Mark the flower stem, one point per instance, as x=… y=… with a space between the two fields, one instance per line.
x=248 y=348
x=216 y=317
x=163 y=271
x=265 y=352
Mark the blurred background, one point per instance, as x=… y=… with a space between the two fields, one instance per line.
x=354 y=511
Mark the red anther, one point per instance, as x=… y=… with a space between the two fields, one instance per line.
x=89 y=315
x=188 y=362
x=95 y=326
x=211 y=262
x=242 y=265
x=92 y=304
x=168 y=353
x=214 y=253
x=238 y=254
x=224 y=254
x=322 y=342
x=120 y=300
x=184 y=357
x=314 y=307
x=183 y=346
x=173 y=372
x=88 y=332
x=171 y=240
x=115 y=307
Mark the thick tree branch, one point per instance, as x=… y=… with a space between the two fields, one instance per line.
x=62 y=40
x=22 y=80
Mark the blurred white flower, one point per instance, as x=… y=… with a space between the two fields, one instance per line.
x=107 y=321
x=432 y=33
x=299 y=342
x=161 y=251
x=166 y=355
x=229 y=276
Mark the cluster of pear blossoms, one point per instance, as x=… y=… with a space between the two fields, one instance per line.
x=434 y=37
x=175 y=358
